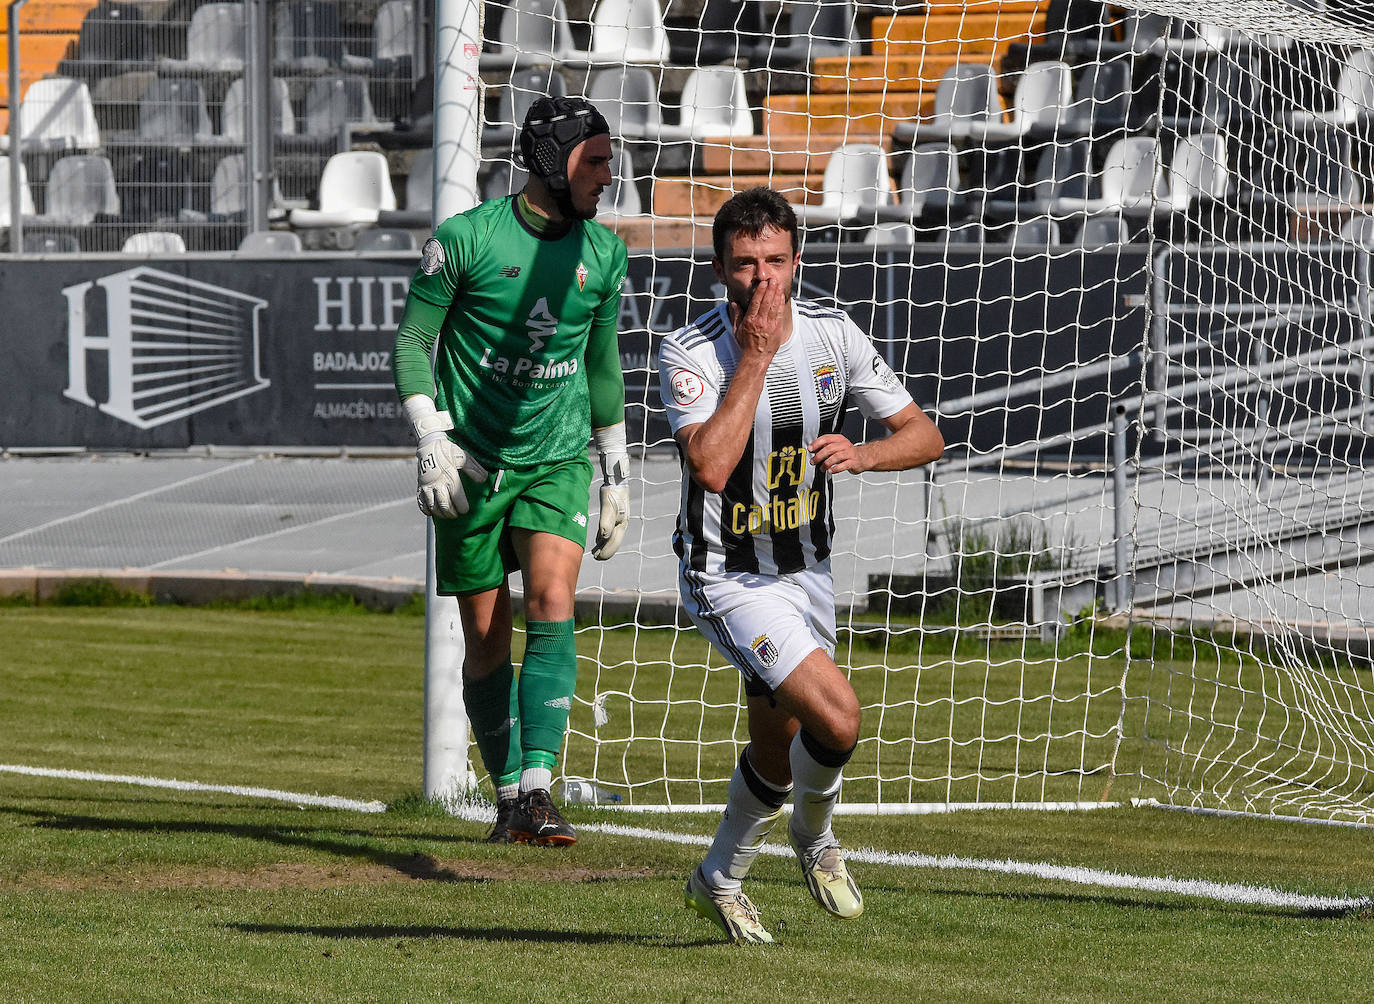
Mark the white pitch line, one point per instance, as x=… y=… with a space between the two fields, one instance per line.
x=296 y=798
x=1224 y=892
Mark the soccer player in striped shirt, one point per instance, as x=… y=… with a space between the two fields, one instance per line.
x=522 y=296
x=756 y=391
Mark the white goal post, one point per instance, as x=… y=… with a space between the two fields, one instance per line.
x=1123 y=257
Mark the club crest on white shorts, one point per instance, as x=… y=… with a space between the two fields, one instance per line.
x=766 y=651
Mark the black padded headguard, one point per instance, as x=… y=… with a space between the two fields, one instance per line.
x=553 y=129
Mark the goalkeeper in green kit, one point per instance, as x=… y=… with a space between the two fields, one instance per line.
x=522 y=295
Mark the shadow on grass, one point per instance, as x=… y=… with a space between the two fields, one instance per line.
x=414 y=864
x=381 y=932
x=1187 y=906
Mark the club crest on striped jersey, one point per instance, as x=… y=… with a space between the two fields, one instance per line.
x=581 y=274
x=828 y=384
x=766 y=651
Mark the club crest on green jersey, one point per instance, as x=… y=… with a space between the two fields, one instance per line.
x=581 y=276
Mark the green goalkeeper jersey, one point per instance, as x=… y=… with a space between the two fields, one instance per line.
x=514 y=301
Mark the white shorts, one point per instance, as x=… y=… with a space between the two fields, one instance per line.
x=765 y=625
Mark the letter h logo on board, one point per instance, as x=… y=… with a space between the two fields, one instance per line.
x=173 y=346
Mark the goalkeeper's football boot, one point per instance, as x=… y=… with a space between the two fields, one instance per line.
x=827 y=878
x=732 y=912
x=538 y=821
x=500 y=830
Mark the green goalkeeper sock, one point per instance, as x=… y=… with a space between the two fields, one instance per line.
x=548 y=678
x=495 y=718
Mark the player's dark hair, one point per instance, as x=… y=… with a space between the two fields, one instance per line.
x=751 y=212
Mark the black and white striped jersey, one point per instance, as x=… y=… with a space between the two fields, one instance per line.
x=774 y=515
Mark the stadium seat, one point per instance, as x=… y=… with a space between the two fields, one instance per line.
x=393 y=39
x=622 y=198
x=1038 y=104
x=1198 y=172
x=891 y=233
x=270 y=243
x=1359 y=229
x=964 y=232
x=1103 y=230
x=57 y=114
x=173 y=111
x=335 y=107
x=25 y=194
x=420 y=181
x=502 y=179
x=725 y=31
x=234 y=113
x=1033 y=235
x=336 y=102
x=856 y=181
x=929 y=189
x=514 y=98
x=383 y=240
x=807 y=30
x=114 y=39
x=1212 y=94
x=354 y=188
x=116 y=101
x=155 y=182
x=417 y=119
x=1354 y=95
x=309 y=38
x=1132 y=181
x=966 y=93
x=1323 y=171
x=46 y=242
x=229 y=191
x=628 y=31
x=80 y=188
x=1101 y=99
x=534 y=32
x=419 y=208
x=1148 y=34
x=229 y=188
x=629 y=99
x=154 y=242
x=1062 y=170
x=713 y=104
x=216 y=41
x=1074 y=31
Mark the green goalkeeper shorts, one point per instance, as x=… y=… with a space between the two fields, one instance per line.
x=474 y=553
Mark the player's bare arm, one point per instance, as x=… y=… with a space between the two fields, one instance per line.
x=913 y=440
x=714 y=447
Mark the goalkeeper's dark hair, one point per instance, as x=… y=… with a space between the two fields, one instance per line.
x=751 y=212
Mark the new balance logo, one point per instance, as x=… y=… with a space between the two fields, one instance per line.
x=562 y=703
x=511 y=271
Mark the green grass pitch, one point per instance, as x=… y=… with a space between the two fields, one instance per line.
x=115 y=892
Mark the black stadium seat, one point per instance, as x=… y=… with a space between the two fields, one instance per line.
x=114 y=39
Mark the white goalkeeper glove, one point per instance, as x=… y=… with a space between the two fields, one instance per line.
x=615 y=491
x=439 y=460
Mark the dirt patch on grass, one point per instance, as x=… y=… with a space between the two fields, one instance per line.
x=289 y=875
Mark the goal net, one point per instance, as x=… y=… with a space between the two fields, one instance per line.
x=1122 y=257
